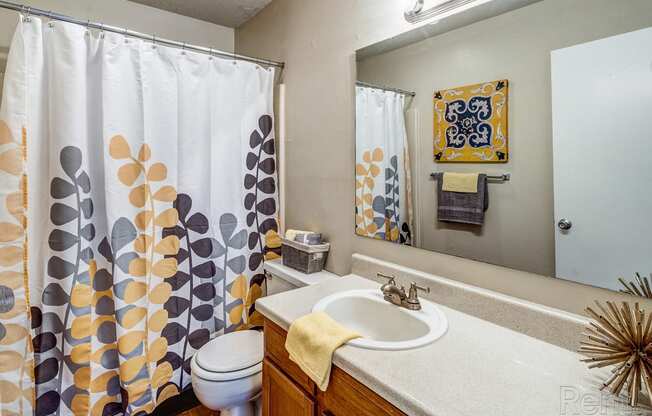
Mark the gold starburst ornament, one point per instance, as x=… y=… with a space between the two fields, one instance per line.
x=620 y=337
x=638 y=287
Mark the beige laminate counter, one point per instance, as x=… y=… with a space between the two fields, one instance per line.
x=476 y=369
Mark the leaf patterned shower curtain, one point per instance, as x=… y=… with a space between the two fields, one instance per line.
x=383 y=183
x=138 y=193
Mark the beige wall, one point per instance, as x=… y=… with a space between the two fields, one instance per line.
x=123 y=13
x=317 y=39
x=519 y=229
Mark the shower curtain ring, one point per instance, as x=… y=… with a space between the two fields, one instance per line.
x=125 y=34
x=183 y=48
x=101 y=30
x=210 y=54
x=49 y=14
x=234 y=58
x=88 y=26
x=153 y=41
x=28 y=14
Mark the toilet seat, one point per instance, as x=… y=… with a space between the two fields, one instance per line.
x=229 y=376
x=230 y=357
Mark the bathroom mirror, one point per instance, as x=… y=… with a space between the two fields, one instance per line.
x=543 y=107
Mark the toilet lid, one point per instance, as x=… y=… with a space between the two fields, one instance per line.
x=232 y=352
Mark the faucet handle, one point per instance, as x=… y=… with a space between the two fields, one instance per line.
x=391 y=278
x=415 y=287
x=412 y=301
x=391 y=282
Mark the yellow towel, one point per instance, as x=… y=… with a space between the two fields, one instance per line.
x=311 y=341
x=460 y=182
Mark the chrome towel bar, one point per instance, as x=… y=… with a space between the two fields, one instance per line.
x=504 y=177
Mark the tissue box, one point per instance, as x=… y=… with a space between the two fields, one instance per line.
x=308 y=238
x=306 y=258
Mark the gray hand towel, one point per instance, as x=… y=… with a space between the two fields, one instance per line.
x=467 y=208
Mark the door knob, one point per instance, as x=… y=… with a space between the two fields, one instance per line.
x=564 y=224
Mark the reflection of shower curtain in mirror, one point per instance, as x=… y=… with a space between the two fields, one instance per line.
x=382 y=166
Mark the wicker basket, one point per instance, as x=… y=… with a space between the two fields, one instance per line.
x=304 y=257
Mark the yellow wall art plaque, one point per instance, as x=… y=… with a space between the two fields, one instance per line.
x=471 y=123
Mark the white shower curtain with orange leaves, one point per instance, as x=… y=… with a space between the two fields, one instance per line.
x=139 y=189
x=382 y=166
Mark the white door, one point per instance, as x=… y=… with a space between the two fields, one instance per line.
x=602 y=148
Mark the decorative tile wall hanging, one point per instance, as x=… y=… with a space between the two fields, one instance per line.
x=471 y=123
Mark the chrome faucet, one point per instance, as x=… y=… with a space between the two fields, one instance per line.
x=397 y=296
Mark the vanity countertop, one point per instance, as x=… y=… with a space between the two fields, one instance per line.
x=476 y=368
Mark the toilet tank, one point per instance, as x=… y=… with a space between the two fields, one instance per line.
x=276 y=284
x=282 y=278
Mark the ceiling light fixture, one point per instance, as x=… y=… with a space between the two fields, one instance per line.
x=414 y=12
x=413 y=7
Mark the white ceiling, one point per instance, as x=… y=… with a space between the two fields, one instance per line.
x=231 y=13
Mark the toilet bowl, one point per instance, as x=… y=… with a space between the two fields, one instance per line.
x=227 y=373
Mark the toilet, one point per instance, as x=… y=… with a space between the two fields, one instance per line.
x=226 y=372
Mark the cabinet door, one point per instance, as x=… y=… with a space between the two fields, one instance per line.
x=347 y=397
x=281 y=397
x=275 y=337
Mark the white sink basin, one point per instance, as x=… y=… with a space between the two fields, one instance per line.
x=383 y=326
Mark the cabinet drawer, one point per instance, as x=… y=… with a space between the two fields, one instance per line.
x=281 y=397
x=276 y=352
x=348 y=397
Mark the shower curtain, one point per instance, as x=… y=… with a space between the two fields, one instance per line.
x=383 y=185
x=138 y=191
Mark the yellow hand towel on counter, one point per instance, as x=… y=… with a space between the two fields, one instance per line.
x=311 y=341
x=460 y=182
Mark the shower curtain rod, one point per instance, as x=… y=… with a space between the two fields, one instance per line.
x=32 y=11
x=380 y=87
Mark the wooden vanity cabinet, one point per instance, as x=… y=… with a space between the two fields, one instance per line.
x=281 y=396
x=288 y=391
